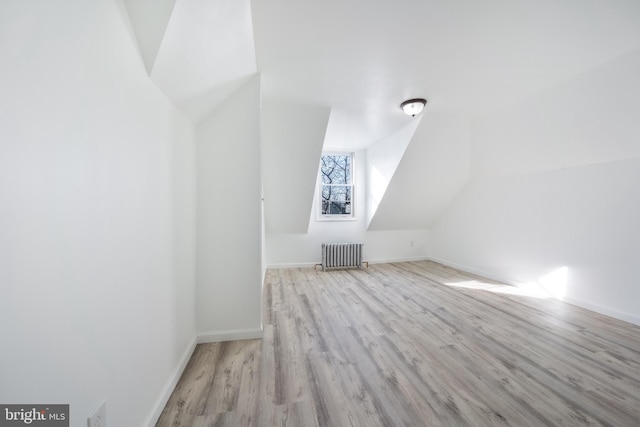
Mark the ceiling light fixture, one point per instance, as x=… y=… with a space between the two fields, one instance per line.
x=411 y=107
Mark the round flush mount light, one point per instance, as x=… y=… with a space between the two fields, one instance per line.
x=411 y=107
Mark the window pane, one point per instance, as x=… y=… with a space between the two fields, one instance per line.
x=335 y=169
x=336 y=200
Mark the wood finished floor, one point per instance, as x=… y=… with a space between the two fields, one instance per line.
x=400 y=345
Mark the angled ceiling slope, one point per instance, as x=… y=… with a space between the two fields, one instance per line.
x=434 y=169
x=198 y=52
x=363 y=58
x=149 y=19
x=382 y=161
x=292 y=139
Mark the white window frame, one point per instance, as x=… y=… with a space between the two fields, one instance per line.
x=337 y=217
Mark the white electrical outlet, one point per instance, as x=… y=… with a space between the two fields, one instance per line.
x=99 y=417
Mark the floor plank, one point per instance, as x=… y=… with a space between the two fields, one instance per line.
x=411 y=344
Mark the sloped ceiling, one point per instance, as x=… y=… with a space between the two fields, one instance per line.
x=292 y=139
x=149 y=19
x=363 y=58
x=434 y=168
x=382 y=160
x=207 y=50
x=360 y=59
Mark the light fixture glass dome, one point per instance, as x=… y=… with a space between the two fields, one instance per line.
x=411 y=107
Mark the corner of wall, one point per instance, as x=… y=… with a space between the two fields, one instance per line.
x=171 y=383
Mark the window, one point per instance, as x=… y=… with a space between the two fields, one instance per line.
x=336 y=185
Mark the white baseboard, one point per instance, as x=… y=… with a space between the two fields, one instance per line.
x=293 y=265
x=625 y=317
x=229 y=335
x=390 y=260
x=485 y=274
x=171 y=384
x=370 y=261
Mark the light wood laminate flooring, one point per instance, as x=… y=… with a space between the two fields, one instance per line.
x=413 y=344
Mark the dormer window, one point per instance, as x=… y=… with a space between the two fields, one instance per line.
x=336 y=185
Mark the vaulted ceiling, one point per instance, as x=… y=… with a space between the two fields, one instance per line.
x=364 y=57
x=361 y=58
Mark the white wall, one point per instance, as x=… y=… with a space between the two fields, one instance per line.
x=433 y=170
x=400 y=202
x=555 y=184
x=229 y=243
x=300 y=249
x=97 y=216
x=292 y=137
x=382 y=160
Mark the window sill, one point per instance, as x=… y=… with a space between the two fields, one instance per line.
x=337 y=218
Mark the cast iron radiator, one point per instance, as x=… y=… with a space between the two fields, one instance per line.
x=339 y=255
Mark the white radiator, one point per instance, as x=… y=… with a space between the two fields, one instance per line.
x=338 y=255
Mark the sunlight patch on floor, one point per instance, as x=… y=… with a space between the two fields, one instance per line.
x=551 y=285
x=534 y=291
